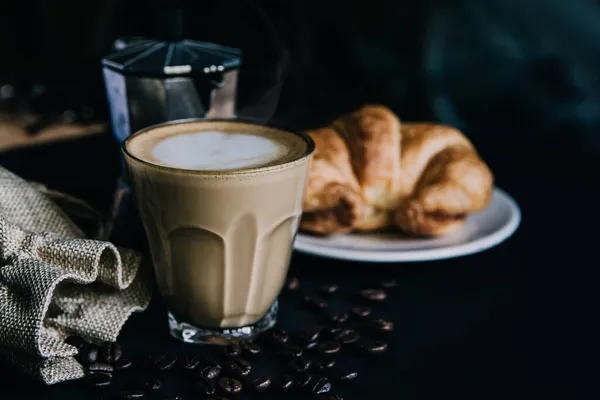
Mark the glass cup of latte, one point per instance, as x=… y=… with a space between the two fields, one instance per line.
x=220 y=201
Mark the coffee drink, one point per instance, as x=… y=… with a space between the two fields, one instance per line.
x=220 y=202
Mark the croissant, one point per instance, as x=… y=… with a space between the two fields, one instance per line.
x=371 y=172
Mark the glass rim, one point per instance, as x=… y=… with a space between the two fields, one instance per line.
x=310 y=147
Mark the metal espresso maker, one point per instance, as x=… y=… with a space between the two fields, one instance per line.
x=154 y=80
x=149 y=81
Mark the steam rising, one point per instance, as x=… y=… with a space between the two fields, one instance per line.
x=262 y=104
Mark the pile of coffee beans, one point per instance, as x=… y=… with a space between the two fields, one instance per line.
x=307 y=361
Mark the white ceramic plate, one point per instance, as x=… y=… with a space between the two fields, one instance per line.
x=480 y=232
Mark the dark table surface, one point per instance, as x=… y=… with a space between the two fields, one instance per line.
x=464 y=328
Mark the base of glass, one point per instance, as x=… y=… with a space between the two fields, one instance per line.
x=192 y=334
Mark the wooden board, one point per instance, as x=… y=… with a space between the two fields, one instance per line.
x=13 y=134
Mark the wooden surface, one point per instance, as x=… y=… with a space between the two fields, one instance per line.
x=13 y=134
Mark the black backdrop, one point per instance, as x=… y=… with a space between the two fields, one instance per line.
x=525 y=72
x=522 y=75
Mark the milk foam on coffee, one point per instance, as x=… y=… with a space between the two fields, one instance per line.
x=214 y=150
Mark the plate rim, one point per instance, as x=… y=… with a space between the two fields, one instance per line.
x=473 y=247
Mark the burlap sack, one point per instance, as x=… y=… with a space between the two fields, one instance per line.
x=55 y=282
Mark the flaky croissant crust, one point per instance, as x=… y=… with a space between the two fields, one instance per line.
x=370 y=172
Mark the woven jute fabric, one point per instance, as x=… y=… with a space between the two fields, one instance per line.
x=55 y=283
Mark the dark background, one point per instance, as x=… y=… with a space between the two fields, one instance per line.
x=519 y=77
x=502 y=70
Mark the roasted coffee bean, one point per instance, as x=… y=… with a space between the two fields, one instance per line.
x=110 y=352
x=206 y=386
x=76 y=341
x=339 y=317
x=99 y=379
x=278 y=336
x=245 y=366
x=286 y=381
x=323 y=362
x=329 y=347
x=311 y=345
x=100 y=367
x=210 y=361
x=300 y=364
x=131 y=394
x=230 y=385
x=347 y=375
x=311 y=334
x=373 y=294
x=316 y=301
x=261 y=383
x=216 y=398
x=152 y=384
x=320 y=385
x=123 y=363
x=250 y=346
x=381 y=325
x=209 y=371
x=233 y=350
x=303 y=379
x=189 y=363
x=330 y=396
x=164 y=361
x=347 y=336
x=117 y=351
x=375 y=347
x=290 y=350
x=238 y=366
x=328 y=289
x=331 y=332
x=388 y=284
x=91 y=355
x=293 y=284
x=361 y=311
